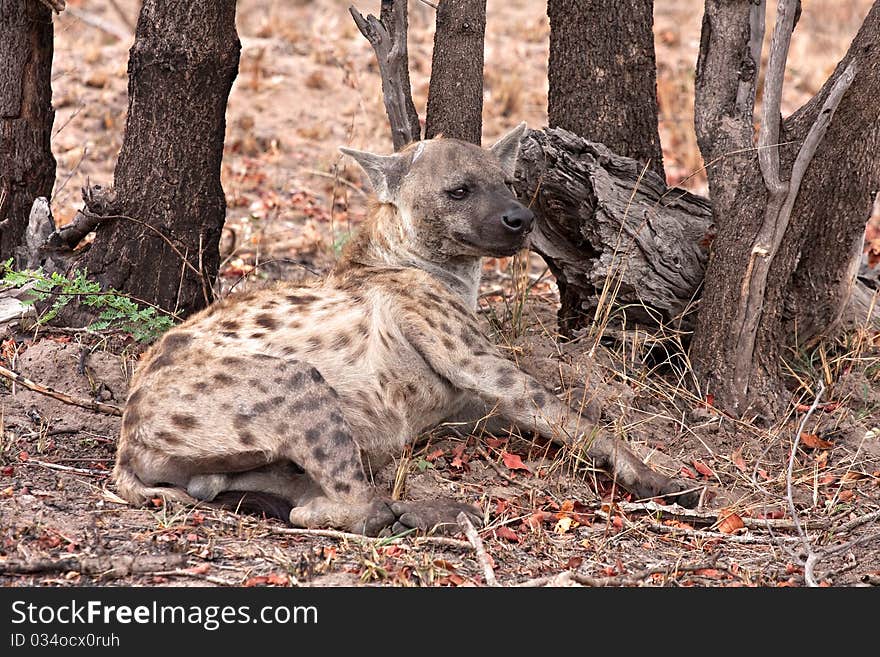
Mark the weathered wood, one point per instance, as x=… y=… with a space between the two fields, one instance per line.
x=602 y=222
x=388 y=39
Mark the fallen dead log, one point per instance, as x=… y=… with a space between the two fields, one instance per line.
x=618 y=239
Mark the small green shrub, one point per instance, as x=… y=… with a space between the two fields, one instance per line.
x=115 y=309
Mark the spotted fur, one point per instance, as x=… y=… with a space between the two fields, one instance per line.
x=303 y=391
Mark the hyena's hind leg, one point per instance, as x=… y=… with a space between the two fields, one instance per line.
x=261 y=415
x=306 y=427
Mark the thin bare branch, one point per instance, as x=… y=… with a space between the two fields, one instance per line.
x=474 y=538
x=99 y=23
x=568 y=577
x=108 y=566
x=771 y=117
x=389 y=44
x=98 y=407
x=811 y=555
x=124 y=17
x=368 y=540
x=808 y=149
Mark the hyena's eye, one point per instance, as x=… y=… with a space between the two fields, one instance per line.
x=458 y=193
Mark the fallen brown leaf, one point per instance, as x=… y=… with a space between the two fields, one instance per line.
x=506 y=533
x=813 y=441
x=737 y=459
x=535 y=520
x=513 y=462
x=729 y=522
x=433 y=455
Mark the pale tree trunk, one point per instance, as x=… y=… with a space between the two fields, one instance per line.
x=603 y=75
x=789 y=218
x=27 y=166
x=387 y=35
x=159 y=239
x=455 y=96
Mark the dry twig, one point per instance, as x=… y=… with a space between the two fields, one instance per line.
x=100 y=24
x=369 y=540
x=98 y=407
x=107 y=567
x=566 y=578
x=812 y=557
x=67 y=468
x=485 y=562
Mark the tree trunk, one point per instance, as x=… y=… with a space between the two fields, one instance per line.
x=455 y=96
x=160 y=241
x=603 y=83
x=27 y=166
x=789 y=227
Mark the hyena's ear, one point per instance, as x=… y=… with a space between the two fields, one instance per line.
x=506 y=149
x=386 y=172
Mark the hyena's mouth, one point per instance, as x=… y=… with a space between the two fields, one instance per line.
x=494 y=249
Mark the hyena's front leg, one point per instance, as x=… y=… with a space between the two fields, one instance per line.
x=530 y=405
x=533 y=407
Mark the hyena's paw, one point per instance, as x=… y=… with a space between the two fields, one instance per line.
x=654 y=484
x=433 y=516
x=367 y=518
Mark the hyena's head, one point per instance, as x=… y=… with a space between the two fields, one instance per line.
x=453 y=198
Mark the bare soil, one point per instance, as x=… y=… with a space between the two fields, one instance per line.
x=308 y=84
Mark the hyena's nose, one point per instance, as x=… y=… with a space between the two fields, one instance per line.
x=518 y=219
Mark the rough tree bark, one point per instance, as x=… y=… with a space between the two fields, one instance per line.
x=455 y=96
x=602 y=71
x=790 y=216
x=159 y=239
x=602 y=224
x=27 y=166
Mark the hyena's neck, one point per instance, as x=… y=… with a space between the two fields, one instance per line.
x=383 y=241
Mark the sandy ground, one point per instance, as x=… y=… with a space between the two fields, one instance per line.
x=308 y=84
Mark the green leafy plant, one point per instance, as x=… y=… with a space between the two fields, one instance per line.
x=115 y=309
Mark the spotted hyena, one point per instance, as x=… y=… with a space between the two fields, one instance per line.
x=297 y=393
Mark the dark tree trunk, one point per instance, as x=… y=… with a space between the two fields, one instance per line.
x=836 y=196
x=603 y=83
x=160 y=243
x=770 y=283
x=27 y=166
x=455 y=96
